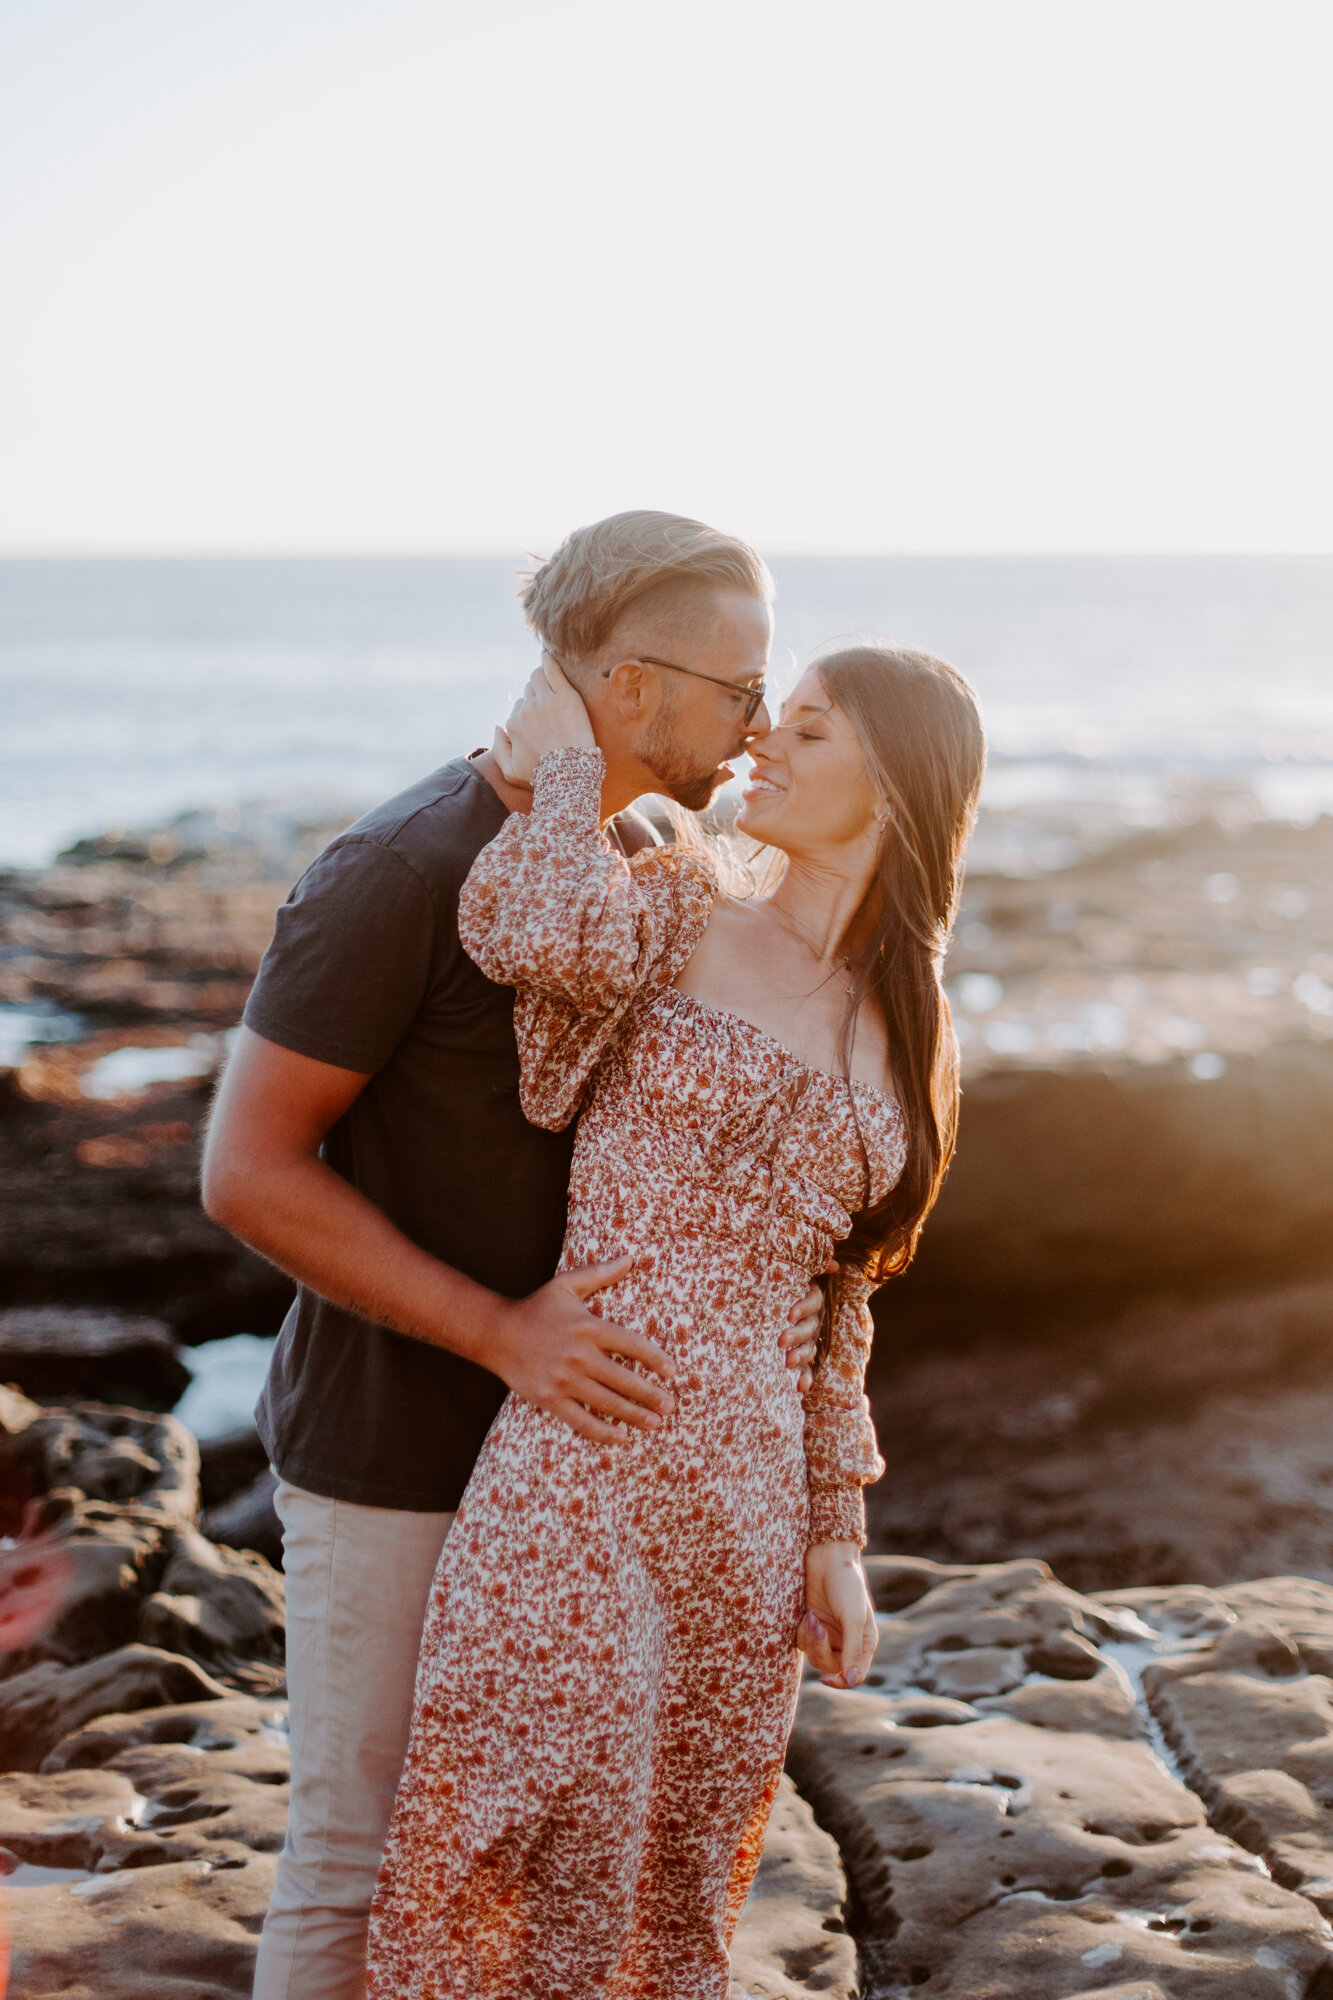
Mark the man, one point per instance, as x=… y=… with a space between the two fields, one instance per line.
x=368 y=1138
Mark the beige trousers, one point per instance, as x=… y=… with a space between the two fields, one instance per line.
x=357 y=1583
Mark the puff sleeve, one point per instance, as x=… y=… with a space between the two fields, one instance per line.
x=552 y=910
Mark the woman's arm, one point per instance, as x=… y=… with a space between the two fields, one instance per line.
x=842 y=1458
x=550 y=909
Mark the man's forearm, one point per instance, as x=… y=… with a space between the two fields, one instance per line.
x=323 y=1232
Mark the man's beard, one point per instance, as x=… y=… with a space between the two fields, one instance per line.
x=678 y=775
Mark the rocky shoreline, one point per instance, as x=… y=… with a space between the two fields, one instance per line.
x=1115 y=1355
x=1038 y=1795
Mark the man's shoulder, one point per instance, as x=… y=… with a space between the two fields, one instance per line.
x=437 y=826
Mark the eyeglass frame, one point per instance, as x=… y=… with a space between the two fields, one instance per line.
x=753 y=697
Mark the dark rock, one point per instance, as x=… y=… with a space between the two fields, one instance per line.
x=134 y=1567
x=99 y=1206
x=39 y=1707
x=1181 y=1440
x=249 y=1520
x=224 y=1607
x=1047 y=1196
x=110 y=1558
x=229 y=1464
x=80 y=1351
x=98 y=1197
x=102 y=1454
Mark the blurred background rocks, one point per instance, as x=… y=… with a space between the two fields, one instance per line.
x=1116 y=1346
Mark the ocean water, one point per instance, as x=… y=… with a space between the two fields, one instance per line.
x=130 y=691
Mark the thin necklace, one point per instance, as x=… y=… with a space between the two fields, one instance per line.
x=840 y=963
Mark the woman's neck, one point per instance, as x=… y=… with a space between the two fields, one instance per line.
x=819 y=899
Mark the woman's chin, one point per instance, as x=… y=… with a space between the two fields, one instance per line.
x=755 y=819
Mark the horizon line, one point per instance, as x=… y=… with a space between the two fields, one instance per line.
x=493 y=553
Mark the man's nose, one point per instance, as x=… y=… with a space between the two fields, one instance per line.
x=760 y=725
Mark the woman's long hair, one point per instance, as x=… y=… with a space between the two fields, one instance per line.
x=925 y=751
x=921 y=735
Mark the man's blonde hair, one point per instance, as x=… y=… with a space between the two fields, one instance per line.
x=575 y=600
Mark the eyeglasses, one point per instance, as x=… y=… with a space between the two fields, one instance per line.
x=751 y=696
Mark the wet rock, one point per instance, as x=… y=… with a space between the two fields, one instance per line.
x=1025 y=1844
x=1249 y=1712
x=42 y=1705
x=249 y=1520
x=1100 y=1707
x=979 y=1631
x=792 y=1939
x=81 y=1351
x=112 y=1797
x=180 y=1931
x=248 y=1733
x=991 y=1857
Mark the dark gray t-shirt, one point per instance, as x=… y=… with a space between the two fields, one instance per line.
x=366 y=971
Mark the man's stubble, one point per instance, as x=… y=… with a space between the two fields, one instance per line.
x=678 y=773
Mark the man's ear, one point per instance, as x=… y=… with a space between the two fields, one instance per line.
x=633 y=691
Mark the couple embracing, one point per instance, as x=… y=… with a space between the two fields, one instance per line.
x=503 y=1033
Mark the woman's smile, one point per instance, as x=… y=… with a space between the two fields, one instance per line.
x=761 y=787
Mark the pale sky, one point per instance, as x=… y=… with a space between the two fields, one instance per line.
x=404 y=275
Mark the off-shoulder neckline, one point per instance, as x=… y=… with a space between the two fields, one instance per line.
x=811 y=1069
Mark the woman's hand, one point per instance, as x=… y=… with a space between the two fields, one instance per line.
x=548 y=715
x=838 y=1633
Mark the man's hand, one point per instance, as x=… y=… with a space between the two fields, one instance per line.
x=838 y=1633
x=548 y=715
x=801 y=1339
x=555 y=1353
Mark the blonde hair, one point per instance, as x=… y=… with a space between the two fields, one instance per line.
x=575 y=600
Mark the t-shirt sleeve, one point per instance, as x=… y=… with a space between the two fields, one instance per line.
x=350 y=960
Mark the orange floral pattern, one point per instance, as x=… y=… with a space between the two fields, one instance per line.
x=608 y=1668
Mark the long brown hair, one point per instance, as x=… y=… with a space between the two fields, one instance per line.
x=925 y=751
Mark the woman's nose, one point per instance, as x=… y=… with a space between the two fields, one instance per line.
x=761 y=723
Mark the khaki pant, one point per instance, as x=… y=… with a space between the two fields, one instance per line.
x=357 y=1583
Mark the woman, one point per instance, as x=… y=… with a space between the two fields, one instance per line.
x=767 y=1089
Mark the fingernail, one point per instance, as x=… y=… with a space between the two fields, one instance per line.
x=852 y=1676
x=814 y=1625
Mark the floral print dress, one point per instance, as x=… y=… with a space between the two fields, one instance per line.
x=608 y=1670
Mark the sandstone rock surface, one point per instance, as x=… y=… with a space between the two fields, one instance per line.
x=1039 y=1841
x=792 y=1938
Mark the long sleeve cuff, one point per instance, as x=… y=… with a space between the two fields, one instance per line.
x=837 y=1514
x=567 y=788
